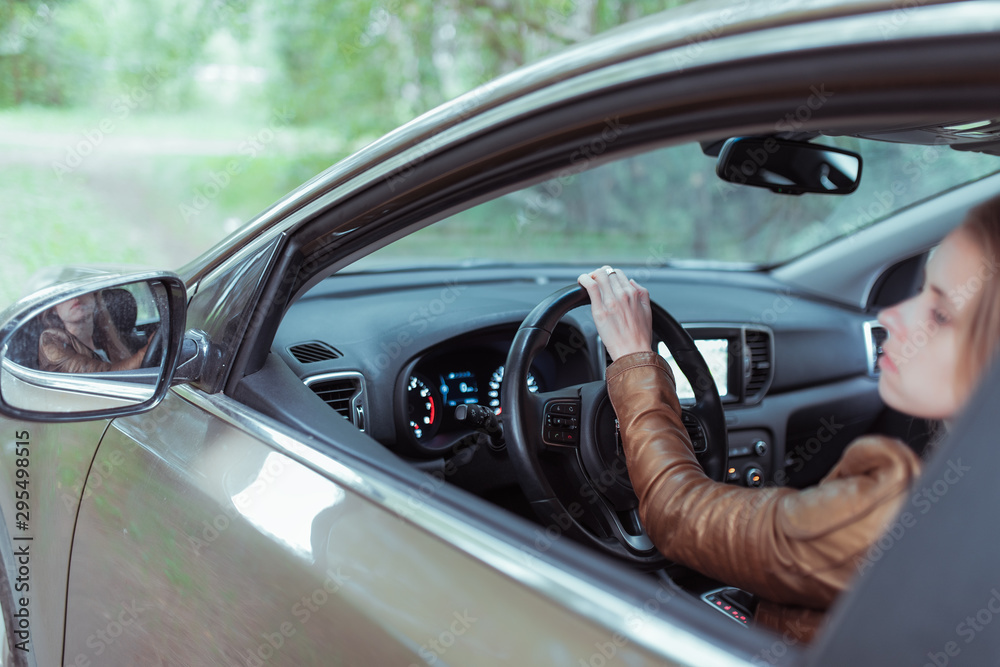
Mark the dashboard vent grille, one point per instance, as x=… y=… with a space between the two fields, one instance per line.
x=875 y=336
x=759 y=347
x=344 y=392
x=313 y=351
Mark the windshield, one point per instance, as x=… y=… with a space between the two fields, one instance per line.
x=668 y=207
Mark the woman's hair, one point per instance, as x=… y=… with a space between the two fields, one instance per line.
x=51 y=319
x=106 y=336
x=981 y=334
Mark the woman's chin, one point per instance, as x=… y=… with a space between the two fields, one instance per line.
x=941 y=408
x=890 y=397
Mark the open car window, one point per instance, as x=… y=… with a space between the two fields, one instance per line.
x=668 y=207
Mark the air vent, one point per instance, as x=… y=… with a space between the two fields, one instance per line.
x=758 y=343
x=313 y=351
x=875 y=336
x=344 y=392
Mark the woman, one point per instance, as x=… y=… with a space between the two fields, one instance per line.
x=79 y=337
x=797 y=550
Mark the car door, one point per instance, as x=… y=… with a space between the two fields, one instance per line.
x=48 y=456
x=45 y=467
x=219 y=537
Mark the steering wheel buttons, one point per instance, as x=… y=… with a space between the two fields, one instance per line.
x=561 y=423
x=695 y=431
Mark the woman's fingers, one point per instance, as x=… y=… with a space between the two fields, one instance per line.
x=621 y=310
x=605 y=286
x=604 y=282
x=588 y=283
x=598 y=287
x=641 y=292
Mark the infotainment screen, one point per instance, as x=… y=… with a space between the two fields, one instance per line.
x=716 y=353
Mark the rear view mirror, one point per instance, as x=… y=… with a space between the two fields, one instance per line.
x=96 y=348
x=789 y=167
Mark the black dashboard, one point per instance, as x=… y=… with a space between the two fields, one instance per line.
x=398 y=352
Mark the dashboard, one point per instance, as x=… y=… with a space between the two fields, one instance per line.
x=406 y=357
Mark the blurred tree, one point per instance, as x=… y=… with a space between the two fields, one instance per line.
x=362 y=67
x=87 y=52
x=374 y=64
x=26 y=75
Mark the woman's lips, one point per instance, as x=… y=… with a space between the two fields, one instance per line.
x=885 y=363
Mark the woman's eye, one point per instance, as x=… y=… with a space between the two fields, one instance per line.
x=939 y=317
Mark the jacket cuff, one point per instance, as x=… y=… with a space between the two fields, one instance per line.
x=637 y=360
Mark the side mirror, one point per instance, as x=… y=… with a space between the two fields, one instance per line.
x=95 y=348
x=789 y=167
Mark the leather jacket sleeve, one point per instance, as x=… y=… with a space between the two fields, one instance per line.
x=59 y=351
x=791 y=547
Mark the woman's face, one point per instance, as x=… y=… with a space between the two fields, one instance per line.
x=78 y=310
x=923 y=348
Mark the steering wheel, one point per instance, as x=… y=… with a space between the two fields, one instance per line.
x=156 y=349
x=565 y=444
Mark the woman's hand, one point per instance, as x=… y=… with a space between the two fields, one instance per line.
x=621 y=311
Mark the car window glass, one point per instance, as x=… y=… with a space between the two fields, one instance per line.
x=668 y=206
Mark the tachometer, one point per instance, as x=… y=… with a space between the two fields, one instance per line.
x=423 y=408
x=497 y=379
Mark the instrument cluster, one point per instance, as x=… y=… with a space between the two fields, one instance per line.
x=430 y=399
x=470 y=370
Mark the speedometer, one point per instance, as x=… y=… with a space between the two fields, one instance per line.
x=497 y=379
x=423 y=408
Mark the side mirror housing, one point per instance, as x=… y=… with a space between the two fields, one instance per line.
x=789 y=167
x=98 y=347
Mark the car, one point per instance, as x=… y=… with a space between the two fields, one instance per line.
x=370 y=427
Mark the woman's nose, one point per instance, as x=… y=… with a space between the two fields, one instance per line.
x=891 y=318
x=900 y=317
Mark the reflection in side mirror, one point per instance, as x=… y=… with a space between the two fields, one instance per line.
x=91 y=353
x=789 y=167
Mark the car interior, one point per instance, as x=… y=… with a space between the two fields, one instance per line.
x=410 y=344
x=399 y=313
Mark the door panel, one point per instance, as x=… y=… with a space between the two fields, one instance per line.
x=211 y=546
x=55 y=461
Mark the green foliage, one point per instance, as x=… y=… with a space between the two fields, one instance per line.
x=26 y=74
x=156 y=96
x=366 y=67
x=668 y=205
x=359 y=68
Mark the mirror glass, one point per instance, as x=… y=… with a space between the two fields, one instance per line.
x=92 y=351
x=789 y=167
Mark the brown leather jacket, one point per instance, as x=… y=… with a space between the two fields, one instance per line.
x=796 y=550
x=61 y=351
